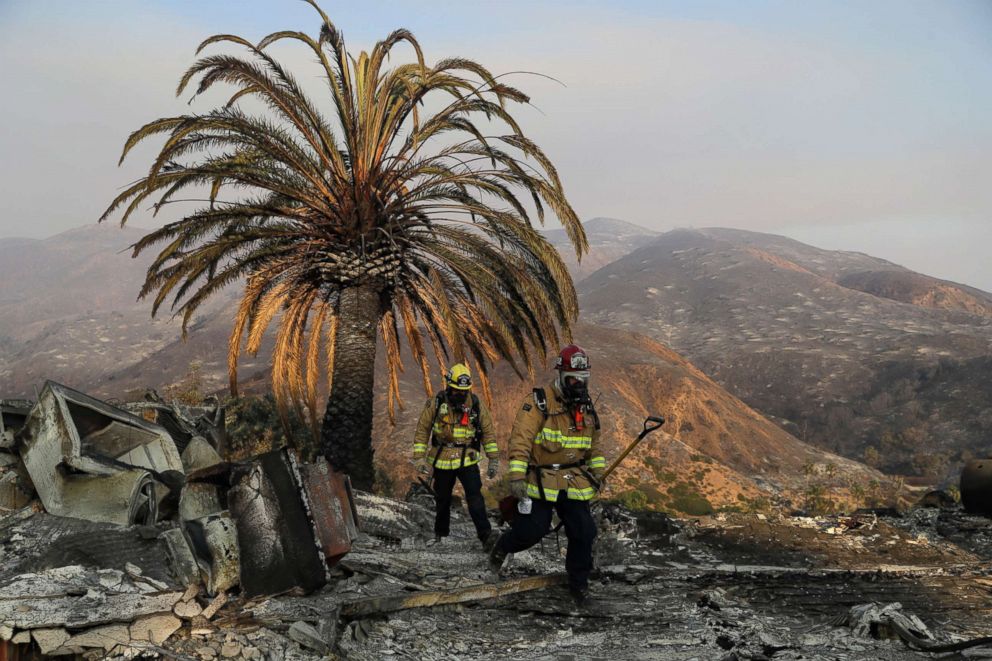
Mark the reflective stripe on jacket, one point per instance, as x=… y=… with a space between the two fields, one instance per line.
x=539 y=439
x=447 y=429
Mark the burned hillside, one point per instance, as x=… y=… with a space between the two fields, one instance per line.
x=796 y=333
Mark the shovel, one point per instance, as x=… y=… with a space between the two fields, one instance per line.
x=508 y=506
x=652 y=423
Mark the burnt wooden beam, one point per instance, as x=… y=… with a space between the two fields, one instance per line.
x=481 y=592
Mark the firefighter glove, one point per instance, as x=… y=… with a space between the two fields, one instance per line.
x=518 y=489
x=493 y=468
x=422 y=465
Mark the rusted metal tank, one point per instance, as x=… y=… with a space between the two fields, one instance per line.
x=976 y=486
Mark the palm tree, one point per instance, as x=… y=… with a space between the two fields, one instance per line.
x=376 y=215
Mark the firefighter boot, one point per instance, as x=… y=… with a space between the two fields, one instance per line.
x=497 y=556
x=580 y=595
x=489 y=541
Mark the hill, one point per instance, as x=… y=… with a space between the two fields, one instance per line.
x=69 y=309
x=609 y=239
x=865 y=273
x=783 y=326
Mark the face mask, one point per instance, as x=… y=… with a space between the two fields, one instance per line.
x=575 y=386
x=457 y=397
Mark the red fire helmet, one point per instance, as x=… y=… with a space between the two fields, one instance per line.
x=572 y=358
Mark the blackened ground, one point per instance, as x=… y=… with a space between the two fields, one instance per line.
x=738 y=586
x=840 y=541
x=726 y=587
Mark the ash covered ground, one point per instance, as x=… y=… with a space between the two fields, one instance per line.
x=735 y=586
x=738 y=586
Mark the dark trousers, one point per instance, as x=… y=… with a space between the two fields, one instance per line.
x=444 y=482
x=580 y=529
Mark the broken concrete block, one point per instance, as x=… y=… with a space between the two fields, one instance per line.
x=199 y=454
x=206 y=653
x=198 y=500
x=308 y=637
x=106 y=637
x=6 y=632
x=191 y=592
x=230 y=650
x=214 y=540
x=215 y=605
x=21 y=638
x=181 y=559
x=49 y=640
x=67 y=429
x=188 y=609
x=250 y=653
x=328 y=626
x=155 y=629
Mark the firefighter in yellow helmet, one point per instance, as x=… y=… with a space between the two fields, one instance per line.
x=557 y=463
x=453 y=430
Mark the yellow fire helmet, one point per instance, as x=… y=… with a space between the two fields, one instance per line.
x=458 y=377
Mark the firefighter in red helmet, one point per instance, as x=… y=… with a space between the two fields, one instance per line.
x=555 y=461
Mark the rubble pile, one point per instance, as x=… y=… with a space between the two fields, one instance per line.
x=951 y=523
x=178 y=552
x=119 y=524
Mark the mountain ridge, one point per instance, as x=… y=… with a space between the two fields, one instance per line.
x=848 y=369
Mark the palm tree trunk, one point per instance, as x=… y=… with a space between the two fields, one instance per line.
x=346 y=433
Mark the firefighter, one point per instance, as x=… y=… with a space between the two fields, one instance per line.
x=453 y=430
x=555 y=461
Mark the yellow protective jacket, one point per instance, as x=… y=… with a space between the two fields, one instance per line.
x=542 y=439
x=449 y=433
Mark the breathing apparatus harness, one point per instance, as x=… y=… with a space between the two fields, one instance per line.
x=580 y=410
x=469 y=415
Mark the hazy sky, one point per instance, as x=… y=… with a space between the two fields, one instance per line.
x=862 y=125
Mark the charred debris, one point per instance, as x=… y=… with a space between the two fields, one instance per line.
x=126 y=533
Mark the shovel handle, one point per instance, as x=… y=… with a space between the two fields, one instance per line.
x=657 y=420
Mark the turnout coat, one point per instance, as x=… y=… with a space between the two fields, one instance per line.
x=448 y=443
x=549 y=450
